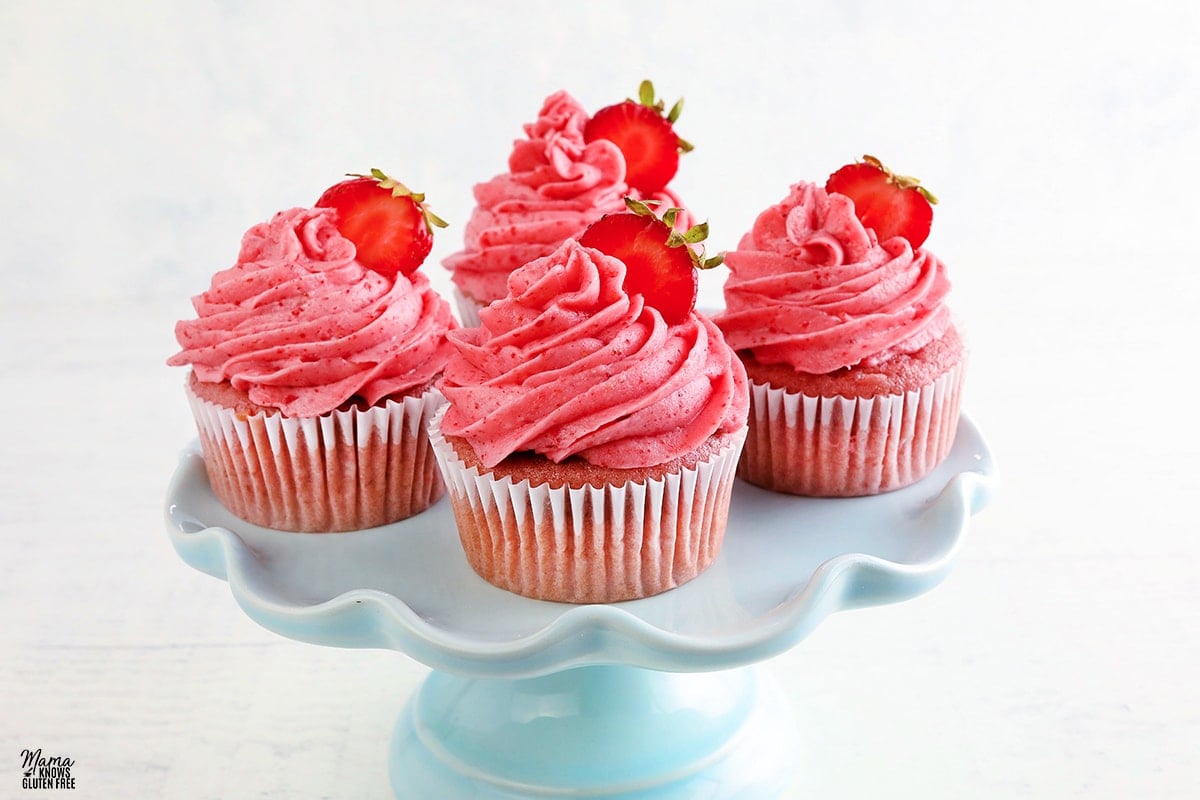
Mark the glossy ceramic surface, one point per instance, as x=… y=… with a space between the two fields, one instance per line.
x=786 y=564
x=613 y=732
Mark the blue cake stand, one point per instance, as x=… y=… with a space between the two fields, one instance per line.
x=654 y=699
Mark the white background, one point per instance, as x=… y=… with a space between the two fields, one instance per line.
x=138 y=142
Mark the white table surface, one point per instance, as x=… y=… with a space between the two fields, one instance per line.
x=1055 y=661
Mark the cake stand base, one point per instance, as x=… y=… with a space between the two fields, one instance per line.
x=598 y=732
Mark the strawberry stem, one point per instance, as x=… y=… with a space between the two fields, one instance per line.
x=641 y=207
x=903 y=181
x=675 y=111
x=646 y=93
x=646 y=98
x=696 y=233
x=692 y=237
x=432 y=220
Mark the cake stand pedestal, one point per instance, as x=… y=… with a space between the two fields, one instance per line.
x=602 y=731
x=654 y=699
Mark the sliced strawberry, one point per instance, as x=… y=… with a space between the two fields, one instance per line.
x=390 y=226
x=891 y=204
x=645 y=136
x=660 y=263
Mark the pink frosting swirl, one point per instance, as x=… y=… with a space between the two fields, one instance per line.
x=568 y=364
x=299 y=325
x=811 y=287
x=556 y=186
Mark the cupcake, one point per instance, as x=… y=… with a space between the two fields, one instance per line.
x=838 y=313
x=313 y=362
x=590 y=438
x=569 y=170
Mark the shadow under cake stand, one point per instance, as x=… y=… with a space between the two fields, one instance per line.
x=654 y=699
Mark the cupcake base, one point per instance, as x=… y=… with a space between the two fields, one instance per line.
x=859 y=432
x=632 y=535
x=353 y=468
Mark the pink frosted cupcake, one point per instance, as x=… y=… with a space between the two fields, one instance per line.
x=568 y=171
x=313 y=362
x=588 y=444
x=855 y=364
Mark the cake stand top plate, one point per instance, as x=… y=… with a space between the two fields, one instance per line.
x=787 y=563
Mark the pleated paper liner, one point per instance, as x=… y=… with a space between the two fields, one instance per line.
x=591 y=544
x=345 y=470
x=468 y=308
x=849 y=447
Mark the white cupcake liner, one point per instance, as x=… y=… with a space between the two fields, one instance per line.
x=345 y=470
x=845 y=447
x=591 y=544
x=468 y=309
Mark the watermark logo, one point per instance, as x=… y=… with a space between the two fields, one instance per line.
x=46 y=772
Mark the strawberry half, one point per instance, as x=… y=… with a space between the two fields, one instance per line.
x=891 y=204
x=390 y=226
x=645 y=136
x=660 y=263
